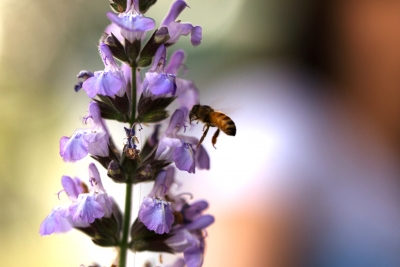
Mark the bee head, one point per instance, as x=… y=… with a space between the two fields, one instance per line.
x=193 y=113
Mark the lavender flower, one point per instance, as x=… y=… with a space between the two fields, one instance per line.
x=190 y=240
x=93 y=205
x=155 y=212
x=176 y=29
x=165 y=223
x=132 y=23
x=109 y=82
x=188 y=94
x=84 y=141
x=171 y=148
x=86 y=205
x=157 y=82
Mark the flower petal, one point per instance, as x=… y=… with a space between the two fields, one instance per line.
x=196 y=35
x=95 y=179
x=194 y=256
x=184 y=158
x=70 y=187
x=176 y=8
x=108 y=83
x=86 y=209
x=55 y=222
x=75 y=147
x=156 y=215
x=194 y=211
x=175 y=62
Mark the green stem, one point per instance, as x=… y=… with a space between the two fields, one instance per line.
x=133 y=94
x=129 y=185
x=127 y=221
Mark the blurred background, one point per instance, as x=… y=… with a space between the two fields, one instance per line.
x=312 y=177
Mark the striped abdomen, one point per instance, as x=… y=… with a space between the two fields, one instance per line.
x=223 y=122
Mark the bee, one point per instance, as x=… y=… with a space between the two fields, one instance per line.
x=211 y=118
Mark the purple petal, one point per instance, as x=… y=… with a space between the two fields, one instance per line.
x=108 y=83
x=176 y=29
x=156 y=215
x=184 y=158
x=70 y=187
x=95 y=113
x=98 y=144
x=106 y=202
x=178 y=263
x=202 y=158
x=201 y=222
x=159 y=83
x=163 y=183
x=188 y=94
x=196 y=35
x=114 y=29
x=86 y=209
x=166 y=147
x=159 y=59
x=107 y=57
x=175 y=62
x=176 y=8
x=95 y=179
x=74 y=148
x=194 y=256
x=55 y=223
x=176 y=122
x=195 y=210
x=133 y=23
x=180 y=240
x=159 y=188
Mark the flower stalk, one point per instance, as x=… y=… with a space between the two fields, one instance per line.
x=166 y=221
x=127 y=221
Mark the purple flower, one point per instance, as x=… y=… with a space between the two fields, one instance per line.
x=93 y=205
x=181 y=149
x=176 y=29
x=82 y=142
x=157 y=82
x=86 y=205
x=156 y=213
x=189 y=239
x=109 y=82
x=174 y=149
x=132 y=23
x=188 y=94
x=55 y=222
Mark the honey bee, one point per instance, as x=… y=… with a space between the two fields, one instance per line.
x=212 y=118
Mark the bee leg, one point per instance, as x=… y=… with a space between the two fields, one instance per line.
x=214 y=138
x=204 y=135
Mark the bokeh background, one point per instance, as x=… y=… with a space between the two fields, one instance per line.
x=311 y=179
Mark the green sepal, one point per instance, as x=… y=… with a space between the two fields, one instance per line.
x=158 y=38
x=112 y=155
x=117 y=49
x=115 y=172
x=132 y=49
x=128 y=164
x=114 y=108
x=118 y=6
x=144 y=5
x=153 y=116
x=149 y=168
x=105 y=232
x=152 y=109
x=144 y=239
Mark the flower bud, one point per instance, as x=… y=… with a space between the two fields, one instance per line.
x=115 y=172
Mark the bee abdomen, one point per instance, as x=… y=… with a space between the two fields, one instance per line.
x=224 y=123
